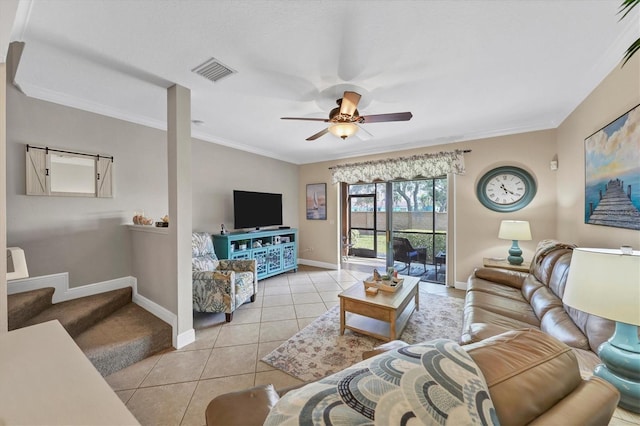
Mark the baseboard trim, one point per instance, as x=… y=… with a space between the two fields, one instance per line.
x=461 y=285
x=63 y=293
x=183 y=339
x=318 y=264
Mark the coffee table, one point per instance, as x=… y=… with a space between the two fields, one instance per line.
x=383 y=315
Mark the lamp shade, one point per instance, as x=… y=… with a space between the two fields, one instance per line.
x=343 y=130
x=605 y=283
x=514 y=230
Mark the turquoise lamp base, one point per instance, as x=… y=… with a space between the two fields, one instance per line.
x=621 y=364
x=515 y=254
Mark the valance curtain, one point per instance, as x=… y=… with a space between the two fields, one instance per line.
x=417 y=166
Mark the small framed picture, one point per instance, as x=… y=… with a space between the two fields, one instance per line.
x=317 y=201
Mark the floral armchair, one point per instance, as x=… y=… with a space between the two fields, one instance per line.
x=220 y=285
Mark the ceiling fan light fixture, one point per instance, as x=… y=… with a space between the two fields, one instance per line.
x=343 y=130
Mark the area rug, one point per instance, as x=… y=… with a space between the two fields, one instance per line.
x=318 y=349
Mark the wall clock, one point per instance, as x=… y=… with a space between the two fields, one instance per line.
x=506 y=189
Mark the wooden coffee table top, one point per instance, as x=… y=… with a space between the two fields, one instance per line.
x=383 y=298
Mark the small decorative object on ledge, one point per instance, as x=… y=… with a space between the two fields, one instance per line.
x=164 y=223
x=140 y=219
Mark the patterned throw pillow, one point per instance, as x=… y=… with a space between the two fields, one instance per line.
x=432 y=383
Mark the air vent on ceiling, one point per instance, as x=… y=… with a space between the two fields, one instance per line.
x=213 y=70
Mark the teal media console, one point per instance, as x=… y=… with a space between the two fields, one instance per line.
x=275 y=250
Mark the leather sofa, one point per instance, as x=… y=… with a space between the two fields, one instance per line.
x=498 y=300
x=532 y=378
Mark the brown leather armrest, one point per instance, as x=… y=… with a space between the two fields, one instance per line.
x=502 y=276
x=244 y=408
x=591 y=403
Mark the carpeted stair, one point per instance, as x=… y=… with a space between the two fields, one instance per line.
x=111 y=330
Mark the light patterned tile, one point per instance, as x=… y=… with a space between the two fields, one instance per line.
x=177 y=367
x=278 y=330
x=231 y=361
x=278 y=313
x=125 y=395
x=330 y=296
x=299 y=298
x=278 y=300
x=132 y=376
x=333 y=286
x=303 y=322
x=310 y=310
x=246 y=316
x=238 y=334
x=205 y=339
x=303 y=288
x=161 y=405
x=273 y=291
x=209 y=389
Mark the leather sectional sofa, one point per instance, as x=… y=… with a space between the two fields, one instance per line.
x=499 y=300
x=529 y=347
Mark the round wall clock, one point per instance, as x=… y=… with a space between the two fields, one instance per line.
x=506 y=189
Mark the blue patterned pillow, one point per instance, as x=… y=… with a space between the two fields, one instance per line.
x=432 y=383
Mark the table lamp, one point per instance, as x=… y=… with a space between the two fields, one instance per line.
x=606 y=283
x=515 y=230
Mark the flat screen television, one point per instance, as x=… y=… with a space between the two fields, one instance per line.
x=256 y=209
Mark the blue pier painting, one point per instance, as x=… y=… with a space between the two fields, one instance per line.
x=612 y=173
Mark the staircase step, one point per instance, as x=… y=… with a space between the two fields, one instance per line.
x=23 y=306
x=78 y=315
x=124 y=338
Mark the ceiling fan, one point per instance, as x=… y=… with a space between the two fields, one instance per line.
x=345 y=118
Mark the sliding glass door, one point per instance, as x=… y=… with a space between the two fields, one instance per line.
x=403 y=222
x=419 y=228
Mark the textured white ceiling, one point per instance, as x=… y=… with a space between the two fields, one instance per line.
x=465 y=69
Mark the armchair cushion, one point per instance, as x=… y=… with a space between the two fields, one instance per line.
x=203 y=256
x=219 y=285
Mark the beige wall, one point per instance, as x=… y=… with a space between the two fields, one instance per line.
x=86 y=236
x=617 y=94
x=218 y=170
x=476 y=228
x=3 y=198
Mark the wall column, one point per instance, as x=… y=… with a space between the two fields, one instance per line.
x=180 y=215
x=3 y=197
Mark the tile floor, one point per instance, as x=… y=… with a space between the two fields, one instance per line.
x=174 y=388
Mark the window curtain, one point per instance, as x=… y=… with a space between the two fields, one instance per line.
x=417 y=166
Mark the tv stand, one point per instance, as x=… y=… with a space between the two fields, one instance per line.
x=275 y=250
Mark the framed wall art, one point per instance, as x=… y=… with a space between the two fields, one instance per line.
x=612 y=173
x=317 y=201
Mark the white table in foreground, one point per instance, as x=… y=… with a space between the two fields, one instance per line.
x=45 y=379
x=383 y=315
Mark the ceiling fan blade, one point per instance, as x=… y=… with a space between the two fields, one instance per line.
x=363 y=134
x=326 y=120
x=394 y=116
x=349 y=103
x=317 y=135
